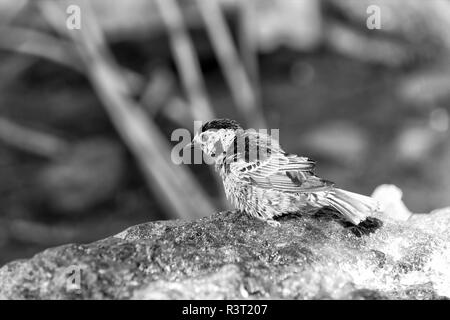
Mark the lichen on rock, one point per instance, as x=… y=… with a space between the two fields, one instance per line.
x=232 y=256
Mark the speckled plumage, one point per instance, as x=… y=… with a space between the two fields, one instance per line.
x=261 y=179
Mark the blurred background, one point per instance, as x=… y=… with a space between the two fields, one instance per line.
x=86 y=115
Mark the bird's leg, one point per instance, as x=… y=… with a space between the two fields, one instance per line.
x=273 y=223
x=236 y=212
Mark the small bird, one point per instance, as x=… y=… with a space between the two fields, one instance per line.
x=264 y=181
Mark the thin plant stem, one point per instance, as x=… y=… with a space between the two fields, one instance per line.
x=186 y=60
x=175 y=187
x=231 y=65
x=30 y=140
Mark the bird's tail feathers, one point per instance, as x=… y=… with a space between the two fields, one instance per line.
x=353 y=206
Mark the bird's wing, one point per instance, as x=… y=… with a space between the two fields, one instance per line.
x=282 y=174
x=278 y=171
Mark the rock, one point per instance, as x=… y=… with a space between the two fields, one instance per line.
x=229 y=255
x=390 y=199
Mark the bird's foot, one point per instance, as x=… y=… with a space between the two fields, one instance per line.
x=273 y=223
x=237 y=211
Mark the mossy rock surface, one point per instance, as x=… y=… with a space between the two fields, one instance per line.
x=229 y=255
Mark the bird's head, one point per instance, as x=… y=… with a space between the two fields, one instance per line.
x=216 y=136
